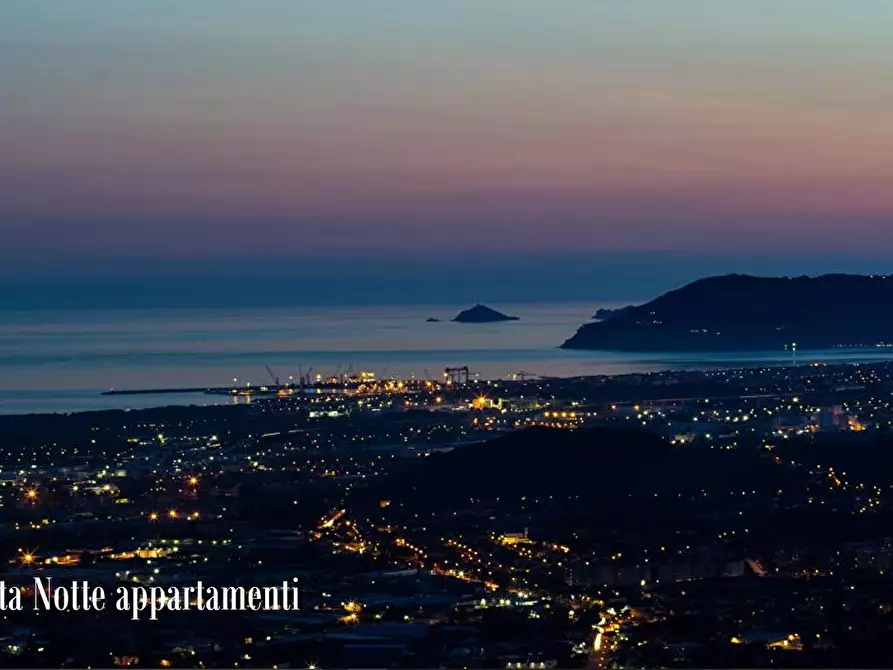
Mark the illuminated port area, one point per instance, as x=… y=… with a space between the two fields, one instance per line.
x=677 y=519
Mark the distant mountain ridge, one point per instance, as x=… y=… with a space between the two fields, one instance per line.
x=745 y=313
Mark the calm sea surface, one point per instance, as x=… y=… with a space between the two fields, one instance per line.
x=59 y=361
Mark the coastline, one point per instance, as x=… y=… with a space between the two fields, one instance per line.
x=619 y=365
x=62 y=362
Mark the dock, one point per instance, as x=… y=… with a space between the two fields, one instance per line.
x=230 y=391
x=163 y=391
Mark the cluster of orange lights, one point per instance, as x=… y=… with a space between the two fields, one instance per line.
x=560 y=415
x=481 y=402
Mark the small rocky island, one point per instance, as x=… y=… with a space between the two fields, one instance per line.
x=482 y=314
x=431 y=319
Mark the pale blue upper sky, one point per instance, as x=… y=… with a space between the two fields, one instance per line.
x=214 y=128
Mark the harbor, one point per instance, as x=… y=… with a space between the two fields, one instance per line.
x=364 y=382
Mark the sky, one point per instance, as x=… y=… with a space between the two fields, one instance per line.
x=168 y=134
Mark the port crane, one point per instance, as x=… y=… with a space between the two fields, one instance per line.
x=304 y=378
x=455 y=375
x=272 y=376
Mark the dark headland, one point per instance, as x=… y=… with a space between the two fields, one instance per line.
x=482 y=314
x=605 y=313
x=745 y=313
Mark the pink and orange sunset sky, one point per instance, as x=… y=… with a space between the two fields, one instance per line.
x=213 y=128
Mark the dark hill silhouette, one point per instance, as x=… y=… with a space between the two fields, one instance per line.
x=482 y=314
x=601 y=468
x=745 y=313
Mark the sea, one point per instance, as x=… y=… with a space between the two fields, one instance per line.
x=62 y=360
